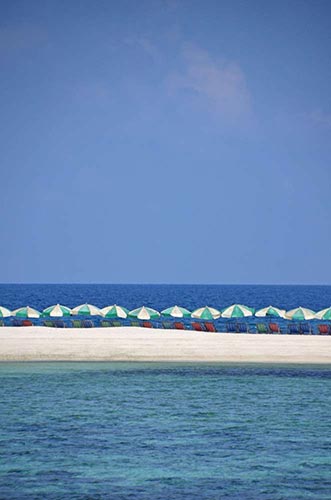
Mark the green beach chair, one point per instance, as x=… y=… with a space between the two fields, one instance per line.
x=117 y=323
x=76 y=323
x=134 y=323
x=262 y=328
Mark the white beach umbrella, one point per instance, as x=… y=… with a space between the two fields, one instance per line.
x=115 y=311
x=57 y=311
x=324 y=314
x=237 y=311
x=86 y=310
x=176 y=312
x=144 y=313
x=26 y=312
x=4 y=312
x=300 y=313
x=206 y=313
x=271 y=311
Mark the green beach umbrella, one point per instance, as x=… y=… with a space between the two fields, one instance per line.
x=176 y=312
x=57 y=311
x=206 y=313
x=26 y=312
x=237 y=311
x=114 y=311
x=4 y=312
x=324 y=314
x=271 y=311
x=300 y=313
x=86 y=310
x=144 y=313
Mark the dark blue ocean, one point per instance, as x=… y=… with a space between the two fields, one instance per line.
x=164 y=431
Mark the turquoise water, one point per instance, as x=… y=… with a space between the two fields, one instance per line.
x=152 y=431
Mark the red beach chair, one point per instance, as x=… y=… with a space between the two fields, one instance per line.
x=210 y=327
x=198 y=327
x=179 y=325
x=27 y=322
x=323 y=329
x=274 y=328
x=147 y=324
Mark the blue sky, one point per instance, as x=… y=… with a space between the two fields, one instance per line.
x=165 y=141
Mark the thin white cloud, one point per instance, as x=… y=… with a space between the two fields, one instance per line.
x=222 y=84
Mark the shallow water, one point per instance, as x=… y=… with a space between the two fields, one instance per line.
x=153 y=430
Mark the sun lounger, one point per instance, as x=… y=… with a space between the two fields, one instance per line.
x=1 y=323
x=324 y=329
x=305 y=329
x=117 y=323
x=242 y=327
x=293 y=329
x=147 y=324
x=48 y=323
x=231 y=327
x=262 y=328
x=179 y=325
x=198 y=327
x=274 y=328
x=77 y=323
x=134 y=323
x=210 y=327
x=88 y=323
x=167 y=325
x=27 y=322
x=59 y=323
x=106 y=323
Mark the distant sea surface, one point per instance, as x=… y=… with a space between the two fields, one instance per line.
x=162 y=296
x=164 y=431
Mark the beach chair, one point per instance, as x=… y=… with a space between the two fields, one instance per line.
x=210 y=327
x=242 y=328
x=106 y=323
x=198 y=327
x=167 y=325
x=77 y=323
x=305 y=329
x=87 y=323
x=293 y=329
x=59 y=323
x=117 y=323
x=147 y=324
x=27 y=322
x=134 y=323
x=262 y=328
x=274 y=328
x=2 y=323
x=324 y=329
x=17 y=322
x=179 y=325
x=48 y=323
x=231 y=327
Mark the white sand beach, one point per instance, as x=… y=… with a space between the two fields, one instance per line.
x=142 y=344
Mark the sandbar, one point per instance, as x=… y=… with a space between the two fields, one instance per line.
x=143 y=344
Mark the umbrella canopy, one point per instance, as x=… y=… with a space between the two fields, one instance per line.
x=86 y=310
x=237 y=311
x=300 y=313
x=271 y=311
x=176 y=312
x=114 y=312
x=4 y=312
x=206 y=313
x=26 y=312
x=144 y=313
x=324 y=314
x=57 y=311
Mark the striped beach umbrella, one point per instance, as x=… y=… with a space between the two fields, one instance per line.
x=271 y=311
x=324 y=314
x=26 y=312
x=4 y=312
x=206 y=313
x=114 y=311
x=300 y=313
x=86 y=310
x=144 y=313
x=176 y=312
x=237 y=311
x=57 y=311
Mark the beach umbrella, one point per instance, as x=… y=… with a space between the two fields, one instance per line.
x=271 y=311
x=57 y=311
x=114 y=311
x=4 y=312
x=26 y=312
x=144 y=313
x=237 y=311
x=324 y=314
x=176 y=312
x=300 y=313
x=86 y=310
x=206 y=313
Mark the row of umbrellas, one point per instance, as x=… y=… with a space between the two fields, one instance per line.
x=147 y=313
